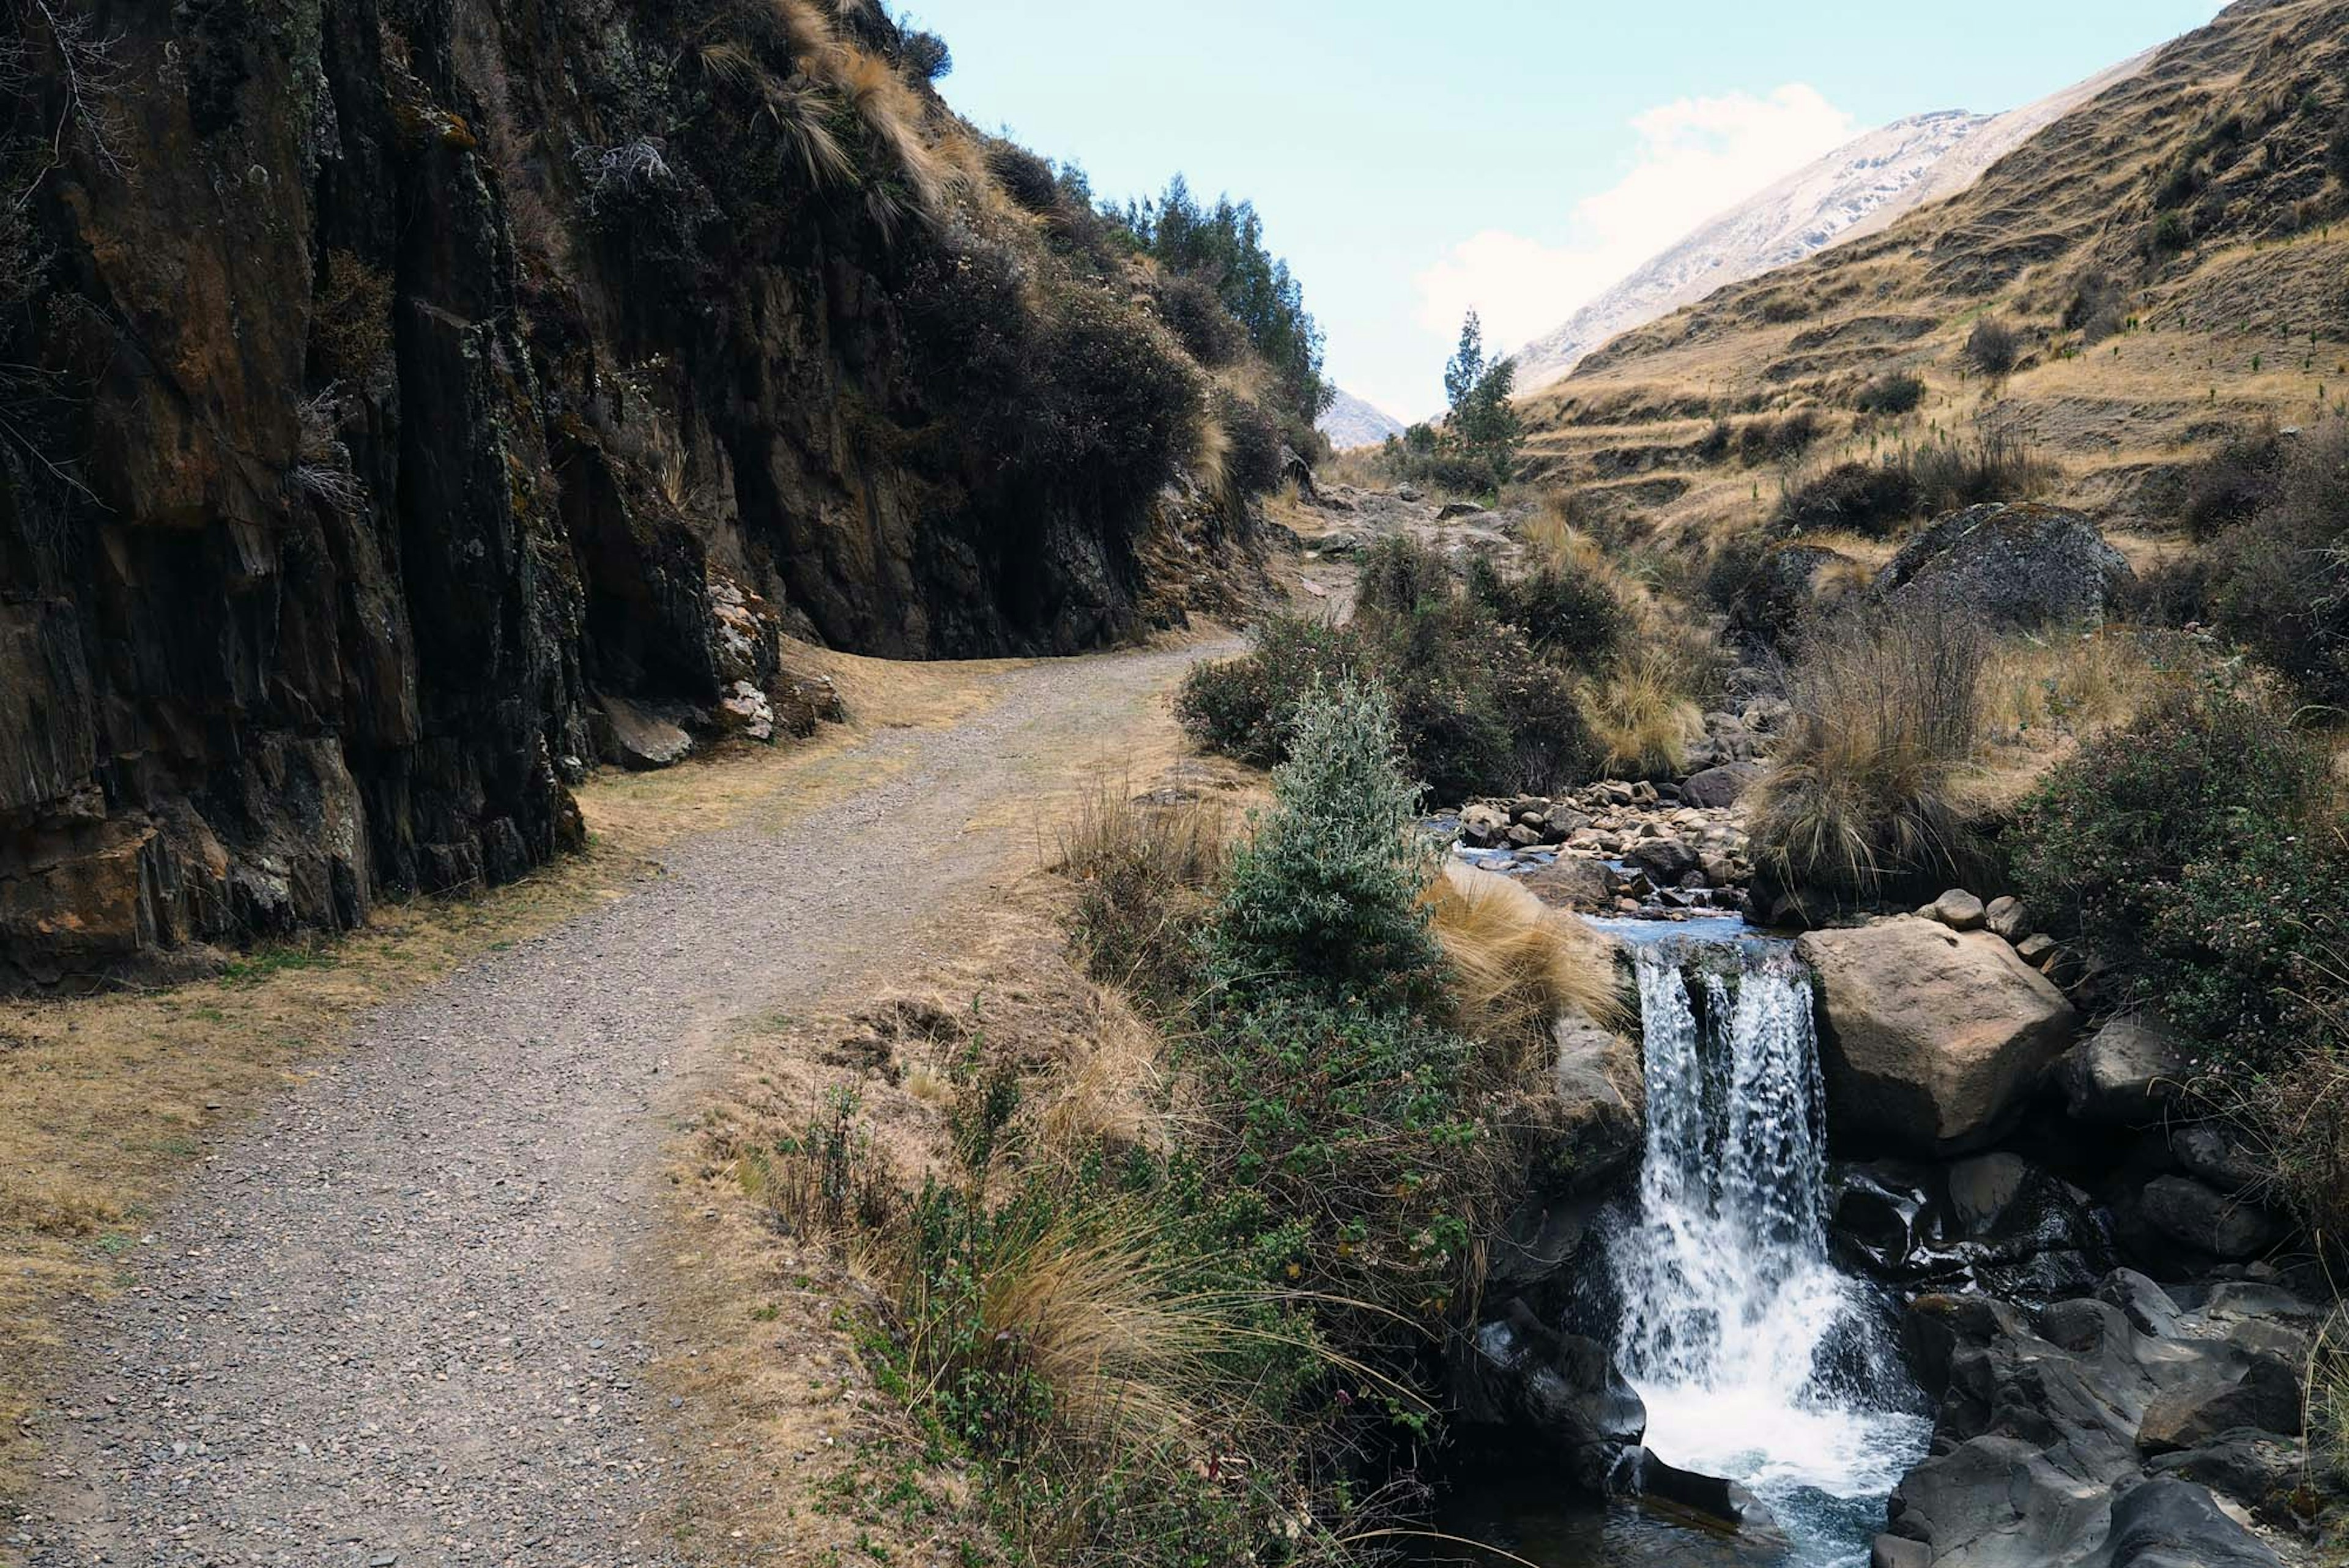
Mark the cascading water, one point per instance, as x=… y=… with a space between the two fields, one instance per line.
x=1758 y=1359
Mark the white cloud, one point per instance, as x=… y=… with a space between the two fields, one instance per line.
x=1696 y=158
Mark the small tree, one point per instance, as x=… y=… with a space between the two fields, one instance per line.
x=1484 y=425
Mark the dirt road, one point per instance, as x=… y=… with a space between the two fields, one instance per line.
x=405 y=1317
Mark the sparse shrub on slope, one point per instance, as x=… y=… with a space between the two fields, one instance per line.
x=1566 y=612
x=2196 y=851
x=1891 y=395
x=1860 y=800
x=2280 y=583
x=1865 y=498
x=1244 y=707
x=1994 y=348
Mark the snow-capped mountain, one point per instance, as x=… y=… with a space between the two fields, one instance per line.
x=1858 y=189
x=1353 y=423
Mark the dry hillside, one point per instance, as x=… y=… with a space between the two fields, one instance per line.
x=2174 y=256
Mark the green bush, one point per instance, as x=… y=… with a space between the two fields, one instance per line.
x=1244 y=707
x=1566 y=614
x=1194 y=313
x=1482 y=707
x=2194 y=851
x=1252 y=458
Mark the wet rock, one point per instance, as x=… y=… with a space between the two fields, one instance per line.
x=2150 y=1309
x=1981 y=1189
x=1720 y=1502
x=1665 y=860
x=1932 y=1036
x=1561 y=1392
x=2211 y=1222
x=2129 y=1073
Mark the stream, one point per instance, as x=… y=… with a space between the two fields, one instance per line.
x=1758 y=1359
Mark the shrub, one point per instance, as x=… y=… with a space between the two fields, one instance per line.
x=1863 y=497
x=1517 y=964
x=1141 y=871
x=1892 y=394
x=1859 y=797
x=2193 y=851
x=1777 y=439
x=1251 y=463
x=2278 y=581
x=1027 y=179
x=1327 y=893
x=1194 y=313
x=1998 y=464
x=1994 y=348
x=1398 y=575
x=1567 y=613
x=1244 y=707
x=2233 y=484
x=2336 y=154
x=350 y=325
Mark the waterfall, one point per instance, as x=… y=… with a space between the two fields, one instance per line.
x=1759 y=1360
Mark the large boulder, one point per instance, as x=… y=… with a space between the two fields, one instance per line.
x=2016 y=566
x=1932 y=1035
x=1721 y=786
x=1788 y=583
x=2173 y=1523
x=1587 y=1132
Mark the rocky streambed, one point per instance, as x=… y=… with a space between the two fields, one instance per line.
x=1869 y=1251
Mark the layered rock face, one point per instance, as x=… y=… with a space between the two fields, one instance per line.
x=400 y=380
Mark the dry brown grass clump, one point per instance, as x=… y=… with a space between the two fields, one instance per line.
x=1517 y=964
x=1143 y=869
x=1641 y=713
x=1862 y=794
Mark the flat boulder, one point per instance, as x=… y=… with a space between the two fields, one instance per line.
x=2209 y=1221
x=638 y=737
x=2016 y=566
x=1933 y=1036
x=2169 y=1523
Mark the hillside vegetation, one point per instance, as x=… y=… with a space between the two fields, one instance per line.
x=2166 y=262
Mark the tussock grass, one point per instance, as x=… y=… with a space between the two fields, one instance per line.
x=1641 y=714
x=1862 y=795
x=1143 y=872
x=1517 y=964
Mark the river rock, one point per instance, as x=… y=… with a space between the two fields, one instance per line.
x=2260 y=1394
x=1562 y=1392
x=1957 y=908
x=2246 y=1464
x=2173 y=1523
x=2008 y=918
x=1665 y=860
x=2206 y=1152
x=2211 y=1222
x=1571 y=882
x=1931 y=1035
x=1602 y=1095
x=1720 y=787
x=2129 y=1073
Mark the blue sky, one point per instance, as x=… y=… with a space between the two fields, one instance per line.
x=1411 y=158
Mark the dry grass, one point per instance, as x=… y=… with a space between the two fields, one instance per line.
x=1641 y=713
x=1517 y=965
x=1143 y=870
x=1862 y=793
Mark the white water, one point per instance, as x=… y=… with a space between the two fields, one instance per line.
x=1758 y=1359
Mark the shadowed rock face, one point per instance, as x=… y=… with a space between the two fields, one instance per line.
x=377 y=436
x=2024 y=567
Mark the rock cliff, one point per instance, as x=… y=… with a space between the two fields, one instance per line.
x=395 y=389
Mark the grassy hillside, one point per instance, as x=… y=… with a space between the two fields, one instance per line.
x=2171 y=258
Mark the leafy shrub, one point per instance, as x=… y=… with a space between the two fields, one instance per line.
x=1252 y=445
x=1780 y=440
x=1858 y=798
x=1244 y=707
x=2193 y=850
x=1194 y=313
x=1026 y=178
x=1567 y=613
x=1398 y=575
x=1994 y=348
x=1891 y=395
x=1863 y=497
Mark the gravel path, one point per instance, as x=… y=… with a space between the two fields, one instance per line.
x=402 y=1320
